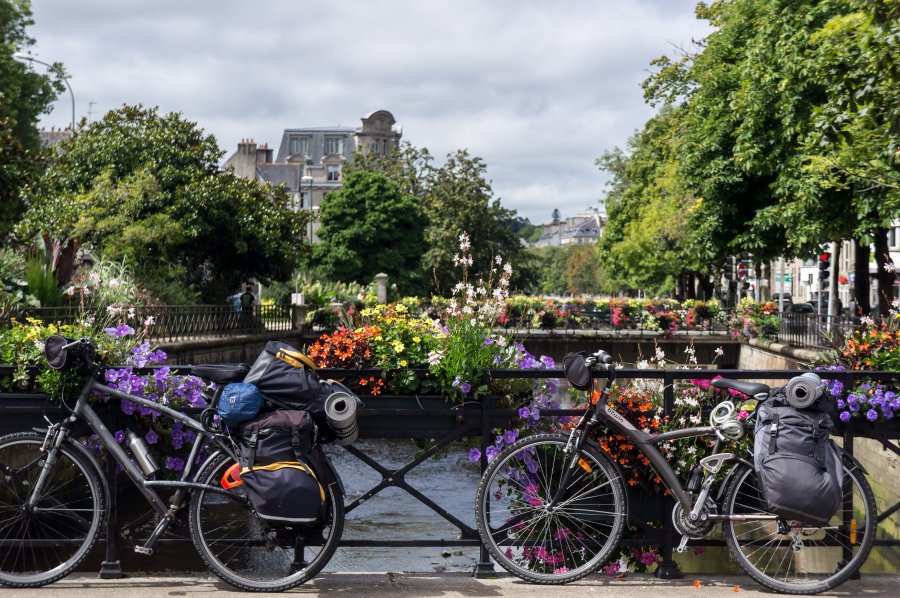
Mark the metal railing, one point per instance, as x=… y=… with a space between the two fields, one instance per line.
x=812 y=330
x=171 y=323
x=441 y=424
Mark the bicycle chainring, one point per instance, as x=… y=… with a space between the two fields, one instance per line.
x=694 y=529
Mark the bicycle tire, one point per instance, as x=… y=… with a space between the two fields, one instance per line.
x=41 y=545
x=817 y=565
x=558 y=546
x=234 y=544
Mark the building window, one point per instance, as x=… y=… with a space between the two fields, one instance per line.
x=894 y=238
x=299 y=145
x=376 y=146
x=334 y=172
x=334 y=145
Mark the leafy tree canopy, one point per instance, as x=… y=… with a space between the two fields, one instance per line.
x=369 y=226
x=147 y=187
x=24 y=96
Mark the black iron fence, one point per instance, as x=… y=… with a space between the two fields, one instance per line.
x=439 y=424
x=812 y=330
x=172 y=323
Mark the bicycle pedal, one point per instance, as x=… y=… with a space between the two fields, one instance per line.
x=143 y=550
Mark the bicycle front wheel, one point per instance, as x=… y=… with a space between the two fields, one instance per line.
x=242 y=551
x=539 y=539
x=44 y=538
x=795 y=558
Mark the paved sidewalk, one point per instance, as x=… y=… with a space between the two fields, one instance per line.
x=448 y=585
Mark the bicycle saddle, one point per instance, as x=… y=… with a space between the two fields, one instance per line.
x=221 y=373
x=748 y=388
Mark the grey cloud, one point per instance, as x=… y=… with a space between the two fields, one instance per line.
x=537 y=89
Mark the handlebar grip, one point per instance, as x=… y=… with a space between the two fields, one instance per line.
x=604 y=357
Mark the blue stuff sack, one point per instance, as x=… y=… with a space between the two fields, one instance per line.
x=239 y=402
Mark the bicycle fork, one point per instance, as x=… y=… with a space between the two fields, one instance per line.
x=50 y=449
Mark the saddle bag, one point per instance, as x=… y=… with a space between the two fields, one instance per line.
x=277 y=468
x=798 y=467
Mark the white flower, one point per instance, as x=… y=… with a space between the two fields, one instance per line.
x=130 y=313
x=643 y=364
x=498 y=260
x=867 y=321
x=507 y=268
x=464 y=244
x=149 y=321
x=113 y=310
x=660 y=355
x=435 y=357
x=719 y=352
x=94 y=277
x=70 y=291
x=113 y=283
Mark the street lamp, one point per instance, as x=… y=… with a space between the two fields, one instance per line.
x=65 y=79
x=309 y=180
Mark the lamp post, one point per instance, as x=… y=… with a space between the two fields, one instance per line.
x=65 y=79
x=309 y=180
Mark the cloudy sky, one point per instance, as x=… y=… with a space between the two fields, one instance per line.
x=537 y=89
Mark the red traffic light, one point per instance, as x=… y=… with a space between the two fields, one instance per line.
x=825 y=257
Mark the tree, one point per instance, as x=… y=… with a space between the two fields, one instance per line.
x=147 y=187
x=24 y=97
x=369 y=226
x=555 y=215
x=455 y=197
x=459 y=200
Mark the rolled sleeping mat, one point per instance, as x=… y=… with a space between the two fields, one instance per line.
x=804 y=390
x=340 y=411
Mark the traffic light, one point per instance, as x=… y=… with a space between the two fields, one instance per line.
x=824 y=265
x=729 y=267
x=743 y=267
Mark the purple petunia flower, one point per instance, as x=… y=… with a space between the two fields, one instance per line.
x=120 y=436
x=510 y=436
x=845 y=416
x=474 y=455
x=488 y=341
x=871 y=415
x=151 y=437
x=491 y=453
x=840 y=403
x=127 y=407
x=524 y=412
x=465 y=387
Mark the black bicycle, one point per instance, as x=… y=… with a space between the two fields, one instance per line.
x=551 y=508
x=54 y=496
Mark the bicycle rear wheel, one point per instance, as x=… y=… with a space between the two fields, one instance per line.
x=542 y=543
x=44 y=542
x=800 y=559
x=238 y=548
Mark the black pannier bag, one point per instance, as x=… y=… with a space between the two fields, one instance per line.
x=287 y=379
x=277 y=468
x=798 y=467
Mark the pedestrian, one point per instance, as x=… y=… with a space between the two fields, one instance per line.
x=247 y=299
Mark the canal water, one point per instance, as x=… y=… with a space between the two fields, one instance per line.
x=394 y=514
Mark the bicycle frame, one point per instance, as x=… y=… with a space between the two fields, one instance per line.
x=86 y=412
x=646 y=443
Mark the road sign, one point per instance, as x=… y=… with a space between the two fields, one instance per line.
x=741 y=269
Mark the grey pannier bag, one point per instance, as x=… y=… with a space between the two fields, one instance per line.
x=798 y=467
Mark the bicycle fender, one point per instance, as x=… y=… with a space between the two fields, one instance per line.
x=852 y=459
x=332 y=474
x=724 y=485
x=79 y=448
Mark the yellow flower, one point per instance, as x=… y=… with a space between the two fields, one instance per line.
x=416 y=339
x=403 y=363
x=398 y=346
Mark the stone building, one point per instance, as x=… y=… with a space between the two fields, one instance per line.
x=583 y=228
x=310 y=159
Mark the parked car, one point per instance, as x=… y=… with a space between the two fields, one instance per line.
x=802 y=308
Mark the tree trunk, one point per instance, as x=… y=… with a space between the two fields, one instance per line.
x=885 y=275
x=834 y=302
x=862 y=288
x=691 y=281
